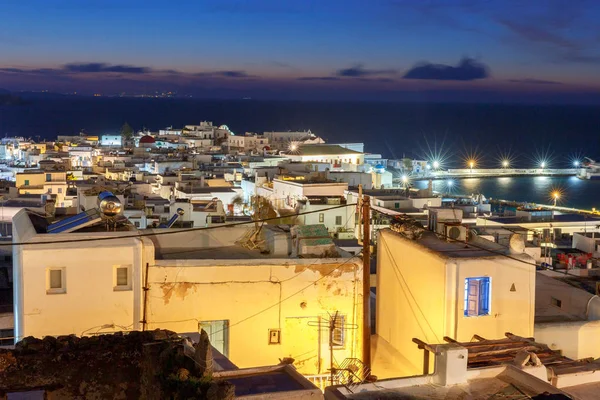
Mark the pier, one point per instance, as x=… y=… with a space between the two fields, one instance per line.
x=466 y=173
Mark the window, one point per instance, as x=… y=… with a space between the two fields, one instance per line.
x=122 y=277
x=26 y=182
x=48 y=177
x=477 y=296
x=218 y=334
x=339 y=333
x=321 y=217
x=49 y=190
x=7 y=337
x=55 y=281
x=556 y=302
x=338 y=220
x=59 y=190
x=396 y=205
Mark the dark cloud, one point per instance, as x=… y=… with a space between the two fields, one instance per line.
x=103 y=67
x=359 y=71
x=466 y=70
x=225 y=74
x=319 y=78
x=535 y=81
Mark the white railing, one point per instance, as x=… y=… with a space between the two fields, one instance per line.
x=321 y=381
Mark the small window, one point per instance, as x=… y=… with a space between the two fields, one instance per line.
x=49 y=190
x=48 y=177
x=338 y=220
x=55 y=281
x=396 y=205
x=274 y=336
x=321 y=217
x=122 y=277
x=26 y=182
x=339 y=333
x=59 y=190
x=556 y=302
x=477 y=296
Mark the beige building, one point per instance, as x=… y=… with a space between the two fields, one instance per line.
x=429 y=288
x=43 y=182
x=257 y=307
x=326 y=153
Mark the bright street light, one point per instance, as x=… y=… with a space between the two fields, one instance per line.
x=436 y=164
x=543 y=165
x=576 y=164
x=505 y=163
x=555 y=196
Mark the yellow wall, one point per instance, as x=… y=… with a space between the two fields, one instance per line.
x=510 y=311
x=420 y=294
x=185 y=292
x=34 y=179
x=410 y=296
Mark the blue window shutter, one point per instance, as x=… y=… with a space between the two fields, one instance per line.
x=484 y=296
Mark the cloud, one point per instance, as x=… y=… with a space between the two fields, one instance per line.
x=535 y=81
x=466 y=70
x=225 y=74
x=319 y=78
x=534 y=33
x=103 y=67
x=359 y=71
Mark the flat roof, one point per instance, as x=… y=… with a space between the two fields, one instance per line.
x=555 y=218
x=454 y=249
x=323 y=149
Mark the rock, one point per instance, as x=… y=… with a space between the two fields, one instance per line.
x=159 y=334
x=7 y=359
x=203 y=355
x=50 y=343
x=30 y=343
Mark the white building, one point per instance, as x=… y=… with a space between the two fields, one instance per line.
x=327 y=153
x=111 y=140
x=430 y=287
x=195 y=280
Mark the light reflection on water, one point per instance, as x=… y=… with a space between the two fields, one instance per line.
x=575 y=192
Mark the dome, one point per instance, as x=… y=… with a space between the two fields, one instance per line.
x=147 y=139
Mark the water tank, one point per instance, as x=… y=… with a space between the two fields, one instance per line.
x=109 y=204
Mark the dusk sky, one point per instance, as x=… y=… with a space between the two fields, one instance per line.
x=330 y=49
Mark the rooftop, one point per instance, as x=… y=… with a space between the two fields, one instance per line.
x=323 y=149
x=474 y=248
x=556 y=218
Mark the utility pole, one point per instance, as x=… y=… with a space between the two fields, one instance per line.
x=366 y=216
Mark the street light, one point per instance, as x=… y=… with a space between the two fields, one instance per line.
x=471 y=165
x=543 y=165
x=576 y=164
x=555 y=196
x=505 y=164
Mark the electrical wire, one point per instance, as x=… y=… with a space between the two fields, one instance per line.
x=202 y=228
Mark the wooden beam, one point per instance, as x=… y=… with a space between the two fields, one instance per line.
x=449 y=339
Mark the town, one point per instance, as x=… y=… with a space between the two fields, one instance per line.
x=318 y=260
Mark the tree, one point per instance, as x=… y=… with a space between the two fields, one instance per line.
x=126 y=131
x=407 y=164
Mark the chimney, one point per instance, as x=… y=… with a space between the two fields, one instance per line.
x=450 y=364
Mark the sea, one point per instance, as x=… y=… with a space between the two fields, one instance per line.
x=526 y=134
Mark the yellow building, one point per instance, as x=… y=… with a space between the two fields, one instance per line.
x=43 y=182
x=257 y=308
x=430 y=288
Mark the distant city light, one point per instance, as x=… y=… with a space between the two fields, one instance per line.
x=450 y=183
x=471 y=164
x=576 y=164
x=505 y=163
x=293 y=146
x=428 y=166
x=436 y=164
x=404 y=178
x=543 y=165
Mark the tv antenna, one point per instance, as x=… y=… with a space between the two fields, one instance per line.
x=334 y=323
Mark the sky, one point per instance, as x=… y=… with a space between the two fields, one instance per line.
x=481 y=50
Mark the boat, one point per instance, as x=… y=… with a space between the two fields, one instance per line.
x=589 y=170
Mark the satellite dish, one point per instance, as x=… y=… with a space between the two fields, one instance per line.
x=516 y=243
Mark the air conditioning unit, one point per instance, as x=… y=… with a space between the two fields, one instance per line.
x=452 y=232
